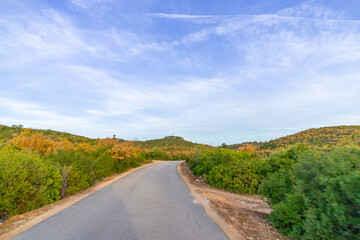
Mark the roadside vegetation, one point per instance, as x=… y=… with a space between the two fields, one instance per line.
x=313 y=189
x=38 y=167
x=310 y=179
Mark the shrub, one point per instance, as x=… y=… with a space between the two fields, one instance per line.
x=284 y=158
x=324 y=197
x=26 y=182
x=276 y=186
x=241 y=175
x=157 y=153
x=210 y=159
x=104 y=163
x=76 y=181
x=288 y=215
x=80 y=159
x=331 y=183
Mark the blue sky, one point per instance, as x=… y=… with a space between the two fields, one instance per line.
x=209 y=71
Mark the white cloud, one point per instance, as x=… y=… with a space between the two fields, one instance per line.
x=292 y=69
x=34 y=115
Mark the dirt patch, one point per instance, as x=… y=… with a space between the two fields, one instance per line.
x=239 y=216
x=20 y=223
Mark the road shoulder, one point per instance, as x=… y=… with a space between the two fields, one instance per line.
x=239 y=216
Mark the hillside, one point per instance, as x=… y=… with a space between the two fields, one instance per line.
x=318 y=137
x=168 y=141
x=7 y=133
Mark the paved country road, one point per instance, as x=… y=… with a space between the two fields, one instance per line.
x=151 y=203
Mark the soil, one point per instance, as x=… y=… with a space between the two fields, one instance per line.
x=240 y=216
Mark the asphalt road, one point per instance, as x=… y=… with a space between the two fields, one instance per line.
x=151 y=203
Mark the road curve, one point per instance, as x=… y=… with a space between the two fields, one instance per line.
x=151 y=203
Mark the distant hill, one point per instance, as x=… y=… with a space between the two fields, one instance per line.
x=319 y=137
x=169 y=141
x=7 y=133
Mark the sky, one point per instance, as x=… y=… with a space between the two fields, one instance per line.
x=211 y=71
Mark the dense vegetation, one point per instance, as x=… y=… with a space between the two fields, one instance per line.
x=317 y=196
x=310 y=179
x=317 y=137
x=38 y=167
x=314 y=191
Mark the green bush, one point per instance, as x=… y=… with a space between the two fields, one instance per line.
x=276 y=186
x=228 y=169
x=288 y=215
x=324 y=197
x=80 y=159
x=284 y=158
x=241 y=175
x=278 y=178
x=210 y=159
x=104 y=163
x=76 y=181
x=158 y=154
x=27 y=182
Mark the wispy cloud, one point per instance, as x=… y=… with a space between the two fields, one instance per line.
x=86 y=4
x=180 y=16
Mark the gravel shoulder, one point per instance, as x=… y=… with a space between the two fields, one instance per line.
x=240 y=216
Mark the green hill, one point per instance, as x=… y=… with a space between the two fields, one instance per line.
x=6 y=133
x=319 y=137
x=169 y=141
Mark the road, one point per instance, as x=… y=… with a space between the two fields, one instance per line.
x=151 y=203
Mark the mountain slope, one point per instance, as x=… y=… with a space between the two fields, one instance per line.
x=318 y=137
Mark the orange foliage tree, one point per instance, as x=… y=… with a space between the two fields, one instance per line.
x=84 y=146
x=38 y=142
x=87 y=147
x=124 y=150
x=107 y=141
x=27 y=140
x=64 y=144
x=249 y=148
